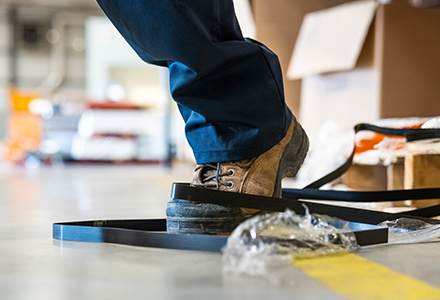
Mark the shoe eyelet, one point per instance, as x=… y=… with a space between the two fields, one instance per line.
x=231 y=172
x=229 y=184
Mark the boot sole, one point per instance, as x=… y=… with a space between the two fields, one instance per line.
x=201 y=218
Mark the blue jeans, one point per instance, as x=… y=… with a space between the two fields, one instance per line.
x=229 y=90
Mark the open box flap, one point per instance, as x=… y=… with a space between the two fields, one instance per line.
x=331 y=40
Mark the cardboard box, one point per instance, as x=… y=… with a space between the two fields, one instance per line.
x=364 y=61
x=277 y=24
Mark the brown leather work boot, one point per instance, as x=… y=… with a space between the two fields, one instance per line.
x=260 y=175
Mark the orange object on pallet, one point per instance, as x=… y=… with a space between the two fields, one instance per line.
x=370 y=142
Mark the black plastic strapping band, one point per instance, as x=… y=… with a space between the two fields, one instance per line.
x=152 y=233
x=143 y=233
x=184 y=191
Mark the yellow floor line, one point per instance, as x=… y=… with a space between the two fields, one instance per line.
x=355 y=277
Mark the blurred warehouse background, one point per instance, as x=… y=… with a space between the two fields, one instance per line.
x=72 y=90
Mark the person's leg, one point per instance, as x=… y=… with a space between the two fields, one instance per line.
x=230 y=93
x=228 y=89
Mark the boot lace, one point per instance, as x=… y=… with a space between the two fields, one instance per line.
x=211 y=176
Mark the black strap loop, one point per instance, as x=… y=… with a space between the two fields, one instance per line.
x=411 y=134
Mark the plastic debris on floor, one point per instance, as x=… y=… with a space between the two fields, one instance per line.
x=266 y=241
x=409 y=231
x=262 y=243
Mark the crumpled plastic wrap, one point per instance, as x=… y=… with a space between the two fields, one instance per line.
x=272 y=239
x=434 y=123
x=409 y=231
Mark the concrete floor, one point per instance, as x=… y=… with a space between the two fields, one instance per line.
x=34 y=266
